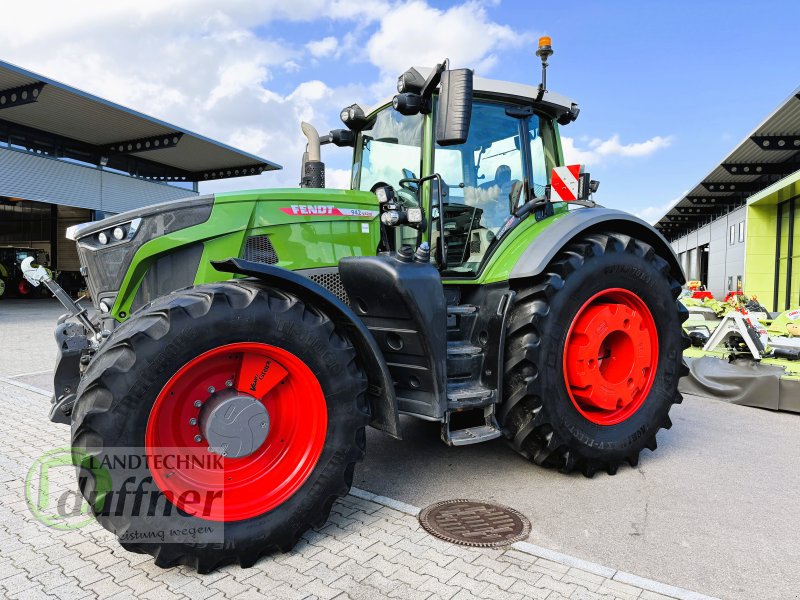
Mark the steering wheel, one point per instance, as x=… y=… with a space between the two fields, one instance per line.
x=410 y=184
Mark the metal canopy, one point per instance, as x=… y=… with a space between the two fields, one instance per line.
x=768 y=154
x=47 y=117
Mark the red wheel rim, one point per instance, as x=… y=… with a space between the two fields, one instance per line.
x=24 y=287
x=610 y=356
x=233 y=489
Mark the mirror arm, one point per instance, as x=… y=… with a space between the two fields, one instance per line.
x=433 y=79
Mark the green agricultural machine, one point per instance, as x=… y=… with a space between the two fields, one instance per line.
x=262 y=331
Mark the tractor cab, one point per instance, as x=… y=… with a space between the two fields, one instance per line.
x=456 y=160
x=501 y=166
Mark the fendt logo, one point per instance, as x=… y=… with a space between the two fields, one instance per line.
x=326 y=210
x=311 y=209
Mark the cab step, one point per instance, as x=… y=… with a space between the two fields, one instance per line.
x=467 y=396
x=462 y=348
x=472 y=435
x=461 y=309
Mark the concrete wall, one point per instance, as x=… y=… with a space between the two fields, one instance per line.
x=725 y=260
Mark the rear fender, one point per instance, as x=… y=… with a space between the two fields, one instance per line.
x=380 y=393
x=588 y=220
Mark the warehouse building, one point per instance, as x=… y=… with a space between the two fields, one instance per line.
x=739 y=228
x=68 y=157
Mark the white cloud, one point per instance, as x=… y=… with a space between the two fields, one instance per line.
x=337 y=178
x=417 y=34
x=597 y=150
x=652 y=214
x=325 y=47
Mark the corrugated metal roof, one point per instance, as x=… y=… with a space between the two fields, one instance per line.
x=764 y=166
x=93 y=123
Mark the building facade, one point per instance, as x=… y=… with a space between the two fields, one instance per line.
x=739 y=228
x=68 y=157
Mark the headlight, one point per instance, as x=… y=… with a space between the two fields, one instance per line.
x=385 y=194
x=117 y=234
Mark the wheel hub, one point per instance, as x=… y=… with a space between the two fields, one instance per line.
x=217 y=402
x=234 y=424
x=610 y=356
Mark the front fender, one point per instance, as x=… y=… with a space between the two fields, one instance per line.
x=380 y=393
x=562 y=232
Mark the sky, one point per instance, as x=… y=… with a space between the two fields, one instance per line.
x=666 y=89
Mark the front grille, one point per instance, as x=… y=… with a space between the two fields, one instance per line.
x=259 y=249
x=331 y=282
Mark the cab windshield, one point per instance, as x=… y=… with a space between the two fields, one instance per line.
x=389 y=150
x=504 y=162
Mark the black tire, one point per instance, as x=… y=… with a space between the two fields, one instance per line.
x=121 y=383
x=538 y=414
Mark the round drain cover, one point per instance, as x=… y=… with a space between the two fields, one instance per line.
x=475 y=523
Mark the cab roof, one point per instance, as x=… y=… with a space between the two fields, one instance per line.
x=552 y=103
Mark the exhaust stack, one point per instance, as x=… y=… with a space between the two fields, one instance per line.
x=312 y=174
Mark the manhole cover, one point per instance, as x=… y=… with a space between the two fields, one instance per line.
x=475 y=523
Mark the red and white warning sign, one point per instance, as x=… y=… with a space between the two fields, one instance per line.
x=565 y=183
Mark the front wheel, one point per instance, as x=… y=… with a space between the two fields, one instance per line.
x=248 y=406
x=594 y=356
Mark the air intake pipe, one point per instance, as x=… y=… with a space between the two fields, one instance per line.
x=312 y=174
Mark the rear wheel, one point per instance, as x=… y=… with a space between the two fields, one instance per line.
x=256 y=392
x=594 y=356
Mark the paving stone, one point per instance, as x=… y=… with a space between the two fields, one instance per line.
x=105 y=588
x=528 y=590
x=196 y=589
x=319 y=589
x=69 y=591
x=17 y=583
x=439 y=589
x=584 y=594
x=491 y=576
x=34 y=593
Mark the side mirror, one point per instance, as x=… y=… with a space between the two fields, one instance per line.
x=454 y=109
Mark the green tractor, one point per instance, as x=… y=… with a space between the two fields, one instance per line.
x=261 y=331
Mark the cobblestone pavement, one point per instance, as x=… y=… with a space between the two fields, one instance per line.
x=371 y=548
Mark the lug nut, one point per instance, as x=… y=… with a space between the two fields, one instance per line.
x=211 y=389
x=198 y=438
x=229 y=383
x=192 y=421
x=263 y=424
x=198 y=403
